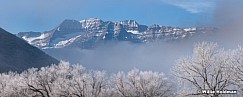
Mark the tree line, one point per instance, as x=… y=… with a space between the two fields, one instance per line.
x=208 y=68
x=65 y=80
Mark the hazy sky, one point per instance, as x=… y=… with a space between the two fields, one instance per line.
x=42 y=15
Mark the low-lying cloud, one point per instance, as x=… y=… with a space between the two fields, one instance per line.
x=124 y=56
x=228 y=19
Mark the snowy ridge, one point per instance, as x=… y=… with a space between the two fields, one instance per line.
x=87 y=33
x=91 y=22
x=30 y=39
x=134 y=32
x=61 y=44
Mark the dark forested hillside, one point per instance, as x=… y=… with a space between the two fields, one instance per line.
x=17 y=55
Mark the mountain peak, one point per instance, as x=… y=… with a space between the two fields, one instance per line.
x=69 y=24
x=91 y=23
x=129 y=23
x=69 y=20
x=91 y=20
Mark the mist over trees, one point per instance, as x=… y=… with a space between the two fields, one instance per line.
x=208 y=68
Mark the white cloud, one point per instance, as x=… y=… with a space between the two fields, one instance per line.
x=192 y=6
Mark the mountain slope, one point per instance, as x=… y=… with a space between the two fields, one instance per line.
x=18 y=55
x=90 y=32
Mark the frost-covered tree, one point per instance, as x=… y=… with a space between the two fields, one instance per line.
x=41 y=82
x=119 y=85
x=77 y=85
x=141 y=84
x=208 y=68
x=12 y=85
x=237 y=64
x=65 y=80
x=95 y=84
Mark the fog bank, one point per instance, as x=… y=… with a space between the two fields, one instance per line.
x=124 y=56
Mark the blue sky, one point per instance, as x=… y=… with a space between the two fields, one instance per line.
x=41 y=15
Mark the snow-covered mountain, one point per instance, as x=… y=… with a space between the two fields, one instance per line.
x=90 y=32
x=18 y=55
